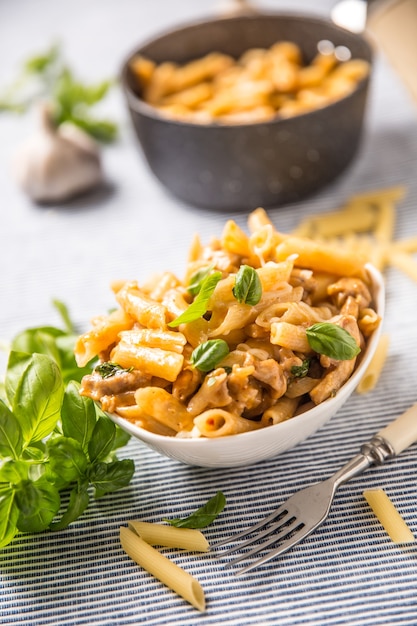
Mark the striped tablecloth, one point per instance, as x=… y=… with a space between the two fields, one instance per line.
x=348 y=572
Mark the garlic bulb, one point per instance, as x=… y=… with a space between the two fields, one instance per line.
x=57 y=164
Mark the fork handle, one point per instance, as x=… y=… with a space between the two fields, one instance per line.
x=402 y=432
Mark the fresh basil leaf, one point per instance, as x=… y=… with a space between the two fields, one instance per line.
x=55 y=343
x=62 y=309
x=17 y=364
x=109 y=369
x=67 y=460
x=10 y=433
x=102 y=439
x=38 y=397
x=204 y=516
x=41 y=340
x=196 y=280
x=207 y=355
x=38 y=503
x=109 y=477
x=78 y=502
x=199 y=306
x=35 y=452
x=12 y=472
x=299 y=371
x=78 y=415
x=9 y=513
x=121 y=438
x=332 y=341
x=3 y=395
x=248 y=287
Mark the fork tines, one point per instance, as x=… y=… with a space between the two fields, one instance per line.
x=280 y=525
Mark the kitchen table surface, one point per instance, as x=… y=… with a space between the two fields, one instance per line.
x=348 y=572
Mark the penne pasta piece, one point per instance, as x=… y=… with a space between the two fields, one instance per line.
x=283 y=410
x=317 y=257
x=135 y=414
x=290 y=336
x=155 y=338
x=104 y=333
x=152 y=361
x=374 y=369
x=300 y=386
x=392 y=194
x=219 y=423
x=162 y=568
x=235 y=240
x=263 y=241
x=141 y=307
x=389 y=516
x=275 y=275
x=354 y=218
x=158 y=286
x=236 y=316
x=257 y=219
x=170 y=536
x=164 y=408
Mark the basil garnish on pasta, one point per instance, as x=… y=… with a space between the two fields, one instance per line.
x=299 y=371
x=207 y=355
x=199 y=306
x=332 y=341
x=204 y=516
x=108 y=369
x=197 y=279
x=248 y=287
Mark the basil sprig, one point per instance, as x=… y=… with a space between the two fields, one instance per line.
x=199 y=306
x=332 y=341
x=204 y=516
x=207 y=355
x=52 y=439
x=197 y=279
x=247 y=288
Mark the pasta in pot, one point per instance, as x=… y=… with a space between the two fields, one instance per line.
x=229 y=348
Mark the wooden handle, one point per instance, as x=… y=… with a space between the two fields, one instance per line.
x=402 y=432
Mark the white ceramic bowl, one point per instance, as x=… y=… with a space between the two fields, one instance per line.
x=258 y=445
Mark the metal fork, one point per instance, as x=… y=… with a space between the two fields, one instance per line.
x=307 y=509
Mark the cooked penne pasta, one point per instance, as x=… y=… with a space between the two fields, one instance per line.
x=283 y=410
x=260 y=85
x=104 y=333
x=170 y=536
x=162 y=568
x=290 y=336
x=389 y=516
x=226 y=350
x=154 y=361
x=219 y=423
x=163 y=407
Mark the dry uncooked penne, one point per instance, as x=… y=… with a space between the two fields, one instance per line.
x=389 y=516
x=169 y=573
x=170 y=536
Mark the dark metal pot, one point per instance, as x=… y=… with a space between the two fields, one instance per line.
x=235 y=167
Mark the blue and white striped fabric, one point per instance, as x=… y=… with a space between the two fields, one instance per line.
x=347 y=573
